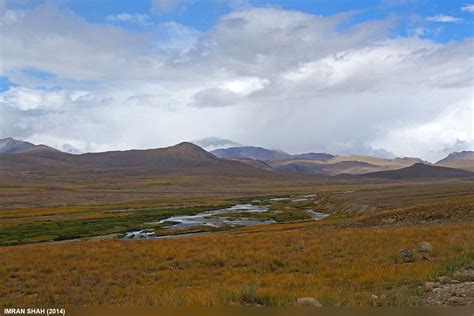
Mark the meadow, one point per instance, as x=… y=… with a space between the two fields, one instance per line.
x=346 y=259
x=267 y=265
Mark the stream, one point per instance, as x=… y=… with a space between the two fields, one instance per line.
x=214 y=218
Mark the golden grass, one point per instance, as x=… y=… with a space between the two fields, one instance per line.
x=267 y=265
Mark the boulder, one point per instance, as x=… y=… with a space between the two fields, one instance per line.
x=429 y=286
x=424 y=247
x=445 y=280
x=389 y=221
x=308 y=301
x=407 y=255
x=424 y=256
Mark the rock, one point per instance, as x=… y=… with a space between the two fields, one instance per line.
x=308 y=301
x=430 y=286
x=445 y=280
x=424 y=247
x=455 y=301
x=464 y=275
x=407 y=255
x=424 y=256
x=389 y=221
x=375 y=300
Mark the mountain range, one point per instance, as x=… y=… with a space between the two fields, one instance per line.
x=461 y=160
x=188 y=158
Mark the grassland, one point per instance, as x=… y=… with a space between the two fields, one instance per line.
x=269 y=266
x=342 y=260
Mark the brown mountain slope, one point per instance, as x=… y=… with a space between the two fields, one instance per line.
x=182 y=158
x=460 y=160
x=420 y=170
x=318 y=167
x=466 y=164
x=398 y=162
x=463 y=155
x=181 y=155
x=254 y=163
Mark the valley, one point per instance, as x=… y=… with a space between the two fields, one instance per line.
x=179 y=227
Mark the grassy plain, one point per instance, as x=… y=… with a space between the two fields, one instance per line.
x=342 y=260
x=267 y=265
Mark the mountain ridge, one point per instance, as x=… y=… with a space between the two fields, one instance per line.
x=187 y=155
x=420 y=170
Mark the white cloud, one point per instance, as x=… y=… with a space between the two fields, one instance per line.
x=443 y=18
x=63 y=44
x=26 y=99
x=245 y=85
x=468 y=7
x=9 y=17
x=452 y=128
x=135 y=18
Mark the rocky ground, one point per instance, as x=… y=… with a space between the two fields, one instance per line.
x=454 y=290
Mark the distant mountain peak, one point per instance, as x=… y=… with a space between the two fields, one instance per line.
x=455 y=156
x=11 y=145
x=213 y=143
x=252 y=152
x=189 y=150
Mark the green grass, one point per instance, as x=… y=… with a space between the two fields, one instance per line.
x=77 y=228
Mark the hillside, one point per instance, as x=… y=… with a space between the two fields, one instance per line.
x=456 y=156
x=10 y=145
x=460 y=160
x=398 y=162
x=251 y=152
x=335 y=165
x=184 y=158
x=313 y=156
x=318 y=167
x=420 y=170
x=254 y=163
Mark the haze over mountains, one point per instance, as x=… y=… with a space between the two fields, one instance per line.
x=213 y=143
x=191 y=159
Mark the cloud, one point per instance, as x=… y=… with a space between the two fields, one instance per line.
x=215 y=97
x=451 y=130
x=442 y=18
x=25 y=99
x=177 y=37
x=135 y=18
x=61 y=43
x=468 y=7
x=261 y=76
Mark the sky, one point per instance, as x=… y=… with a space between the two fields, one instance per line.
x=385 y=78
